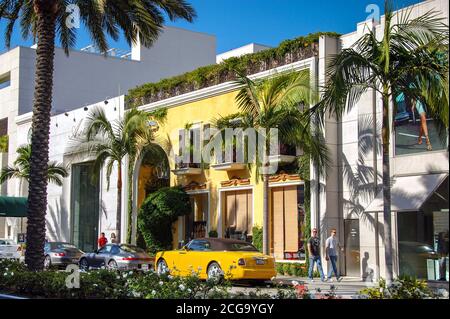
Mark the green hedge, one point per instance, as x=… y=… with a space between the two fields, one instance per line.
x=287 y=52
x=4 y=142
x=258 y=238
x=294 y=269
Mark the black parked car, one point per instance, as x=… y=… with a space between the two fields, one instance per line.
x=61 y=254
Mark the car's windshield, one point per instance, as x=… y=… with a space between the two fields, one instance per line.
x=63 y=246
x=131 y=249
x=241 y=247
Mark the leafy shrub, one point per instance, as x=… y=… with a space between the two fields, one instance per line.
x=294 y=269
x=401 y=288
x=258 y=238
x=4 y=142
x=287 y=269
x=213 y=234
x=157 y=215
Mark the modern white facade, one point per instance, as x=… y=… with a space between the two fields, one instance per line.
x=347 y=196
x=83 y=78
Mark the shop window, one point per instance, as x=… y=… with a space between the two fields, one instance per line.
x=5 y=80
x=423 y=238
x=412 y=122
x=197 y=221
x=239 y=214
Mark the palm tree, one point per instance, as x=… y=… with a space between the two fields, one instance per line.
x=412 y=58
x=277 y=102
x=46 y=20
x=21 y=169
x=110 y=142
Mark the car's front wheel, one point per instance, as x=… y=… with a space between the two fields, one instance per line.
x=215 y=272
x=161 y=267
x=84 y=264
x=112 y=264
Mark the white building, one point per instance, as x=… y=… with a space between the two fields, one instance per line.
x=350 y=198
x=84 y=78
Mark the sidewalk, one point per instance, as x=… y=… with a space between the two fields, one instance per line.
x=347 y=288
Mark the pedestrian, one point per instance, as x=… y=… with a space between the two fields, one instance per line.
x=102 y=241
x=332 y=248
x=314 y=255
x=113 y=238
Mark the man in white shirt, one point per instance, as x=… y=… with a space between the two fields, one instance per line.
x=332 y=248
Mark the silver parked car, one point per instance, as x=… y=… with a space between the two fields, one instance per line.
x=9 y=249
x=61 y=254
x=117 y=256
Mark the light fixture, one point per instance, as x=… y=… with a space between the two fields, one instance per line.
x=86 y=108
x=66 y=114
x=106 y=102
x=115 y=108
x=74 y=120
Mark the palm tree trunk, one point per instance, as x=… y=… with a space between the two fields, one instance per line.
x=119 y=202
x=387 y=191
x=37 y=197
x=266 y=242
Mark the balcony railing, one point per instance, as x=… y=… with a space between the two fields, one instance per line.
x=187 y=169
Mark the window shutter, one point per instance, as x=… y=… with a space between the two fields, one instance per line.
x=291 y=219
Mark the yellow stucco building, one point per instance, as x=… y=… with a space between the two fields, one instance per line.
x=227 y=197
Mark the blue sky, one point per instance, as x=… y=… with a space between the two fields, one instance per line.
x=239 y=22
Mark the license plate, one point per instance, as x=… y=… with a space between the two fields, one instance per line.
x=145 y=267
x=260 y=261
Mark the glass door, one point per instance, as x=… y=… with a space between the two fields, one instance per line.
x=84 y=207
x=352 y=248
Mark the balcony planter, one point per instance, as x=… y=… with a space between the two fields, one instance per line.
x=187 y=169
x=281 y=159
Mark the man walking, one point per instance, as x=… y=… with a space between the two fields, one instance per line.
x=331 y=249
x=314 y=255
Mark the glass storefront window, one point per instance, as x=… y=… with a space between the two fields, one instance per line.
x=423 y=239
x=412 y=121
x=84 y=207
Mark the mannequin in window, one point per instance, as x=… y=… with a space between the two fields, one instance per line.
x=423 y=131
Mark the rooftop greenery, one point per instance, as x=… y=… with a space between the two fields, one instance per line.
x=288 y=51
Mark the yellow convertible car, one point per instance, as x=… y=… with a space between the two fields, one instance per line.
x=216 y=258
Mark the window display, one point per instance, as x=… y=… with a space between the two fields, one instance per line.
x=415 y=131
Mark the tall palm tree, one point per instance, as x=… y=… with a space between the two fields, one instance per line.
x=46 y=20
x=412 y=58
x=110 y=142
x=278 y=102
x=21 y=169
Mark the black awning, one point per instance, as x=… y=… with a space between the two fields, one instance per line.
x=13 y=206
